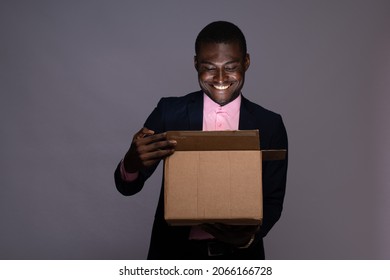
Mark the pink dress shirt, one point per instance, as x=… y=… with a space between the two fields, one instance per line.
x=216 y=117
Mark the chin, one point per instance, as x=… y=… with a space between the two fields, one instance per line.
x=222 y=101
x=225 y=99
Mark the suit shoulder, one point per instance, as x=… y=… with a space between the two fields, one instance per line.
x=270 y=124
x=172 y=113
x=260 y=110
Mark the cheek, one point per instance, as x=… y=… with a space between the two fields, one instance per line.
x=236 y=77
x=204 y=76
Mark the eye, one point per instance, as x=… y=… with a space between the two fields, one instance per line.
x=231 y=68
x=207 y=68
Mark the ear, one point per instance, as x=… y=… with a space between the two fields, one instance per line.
x=196 y=63
x=247 y=61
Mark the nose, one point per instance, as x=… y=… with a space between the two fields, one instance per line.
x=220 y=76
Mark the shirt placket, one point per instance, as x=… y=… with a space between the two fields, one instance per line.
x=221 y=120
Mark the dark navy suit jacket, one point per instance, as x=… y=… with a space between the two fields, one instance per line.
x=186 y=113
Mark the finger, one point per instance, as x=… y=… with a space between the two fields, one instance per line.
x=156 y=155
x=144 y=148
x=150 y=138
x=152 y=158
x=163 y=145
x=142 y=139
x=143 y=132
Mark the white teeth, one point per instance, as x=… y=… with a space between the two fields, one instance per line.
x=221 y=87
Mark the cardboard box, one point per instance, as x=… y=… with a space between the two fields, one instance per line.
x=214 y=176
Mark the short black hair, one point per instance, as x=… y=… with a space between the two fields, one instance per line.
x=221 y=32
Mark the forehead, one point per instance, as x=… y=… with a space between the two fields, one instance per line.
x=219 y=51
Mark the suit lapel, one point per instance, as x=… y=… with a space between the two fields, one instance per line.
x=195 y=112
x=246 y=121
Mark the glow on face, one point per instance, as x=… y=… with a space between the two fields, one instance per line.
x=221 y=71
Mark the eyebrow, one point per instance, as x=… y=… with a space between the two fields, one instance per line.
x=210 y=63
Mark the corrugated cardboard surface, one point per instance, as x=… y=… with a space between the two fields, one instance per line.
x=214 y=186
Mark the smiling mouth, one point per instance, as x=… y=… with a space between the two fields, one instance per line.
x=221 y=87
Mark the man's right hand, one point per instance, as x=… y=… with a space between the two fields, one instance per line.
x=147 y=149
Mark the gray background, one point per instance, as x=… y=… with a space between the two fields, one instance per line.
x=78 y=79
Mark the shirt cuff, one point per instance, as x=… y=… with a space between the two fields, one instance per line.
x=127 y=176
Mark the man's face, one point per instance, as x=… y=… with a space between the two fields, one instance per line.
x=221 y=70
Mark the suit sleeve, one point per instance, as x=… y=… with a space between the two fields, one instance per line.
x=155 y=122
x=274 y=180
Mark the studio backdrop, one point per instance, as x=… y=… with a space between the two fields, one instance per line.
x=79 y=78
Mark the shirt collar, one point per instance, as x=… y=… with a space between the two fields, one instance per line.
x=231 y=108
